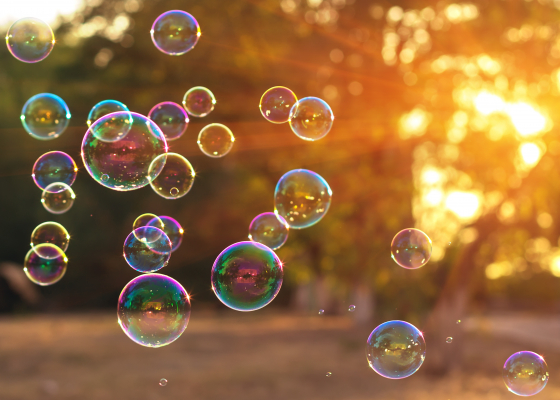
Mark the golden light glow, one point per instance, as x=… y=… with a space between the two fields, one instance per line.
x=498 y=269
x=487 y=103
x=434 y=197
x=463 y=204
x=530 y=153
x=526 y=120
x=414 y=123
x=555 y=266
x=431 y=176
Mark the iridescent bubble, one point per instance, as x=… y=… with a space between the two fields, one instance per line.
x=269 y=229
x=411 y=248
x=58 y=198
x=329 y=374
x=50 y=232
x=199 y=101
x=147 y=249
x=45 y=270
x=302 y=197
x=153 y=310
x=276 y=104
x=311 y=118
x=352 y=308
x=45 y=116
x=171 y=119
x=215 y=140
x=175 y=179
x=449 y=340
x=396 y=349
x=175 y=32
x=163 y=382
x=247 y=276
x=321 y=312
x=171 y=228
x=30 y=40
x=147 y=220
x=525 y=373
x=128 y=163
x=103 y=108
x=54 y=166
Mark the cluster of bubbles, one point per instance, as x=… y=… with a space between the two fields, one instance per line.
x=124 y=150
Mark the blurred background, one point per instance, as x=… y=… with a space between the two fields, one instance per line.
x=445 y=121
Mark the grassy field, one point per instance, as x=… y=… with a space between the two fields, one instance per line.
x=233 y=356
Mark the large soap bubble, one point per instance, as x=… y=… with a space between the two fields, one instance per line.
x=175 y=32
x=171 y=118
x=128 y=163
x=396 y=349
x=311 y=118
x=215 y=140
x=45 y=116
x=30 y=40
x=54 y=166
x=175 y=179
x=302 y=197
x=411 y=248
x=171 y=228
x=154 y=310
x=525 y=373
x=247 y=276
x=147 y=249
x=199 y=101
x=57 y=198
x=276 y=103
x=50 y=232
x=45 y=264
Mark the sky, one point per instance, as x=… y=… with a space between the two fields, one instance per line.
x=47 y=10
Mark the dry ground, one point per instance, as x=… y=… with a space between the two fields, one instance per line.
x=234 y=356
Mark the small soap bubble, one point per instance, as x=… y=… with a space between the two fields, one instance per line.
x=329 y=374
x=153 y=310
x=199 y=101
x=215 y=140
x=321 y=312
x=175 y=32
x=311 y=118
x=449 y=340
x=175 y=179
x=126 y=163
x=171 y=228
x=411 y=248
x=30 y=40
x=276 y=103
x=525 y=373
x=269 y=229
x=302 y=198
x=54 y=166
x=171 y=118
x=458 y=321
x=147 y=249
x=50 y=232
x=163 y=382
x=45 y=116
x=45 y=270
x=147 y=220
x=352 y=308
x=58 y=198
x=247 y=276
x=396 y=349
x=103 y=108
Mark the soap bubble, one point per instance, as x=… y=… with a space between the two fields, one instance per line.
x=269 y=229
x=171 y=118
x=58 y=198
x=321 y=312
x=352 y=308
x=153 y=310
x=276 y=104
x=311 y=118
x=329 y=374
x=30 y=40
x=50 y=232
x=396 y=349
x=302 y=197
x=458 y=322
x=215 y=140
x=54 y=166
x=163 y=382
x=525 y=373
x=411 y=248
x=175 y=32
x=147 y=249
x=449 y=340
x=175 y=179
x=45 y=116
x=171 y=228
x=103 y=108
x=128 y=163
x=147 y=220
x=45 y=270
x=199 y=101
x=247 y=276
